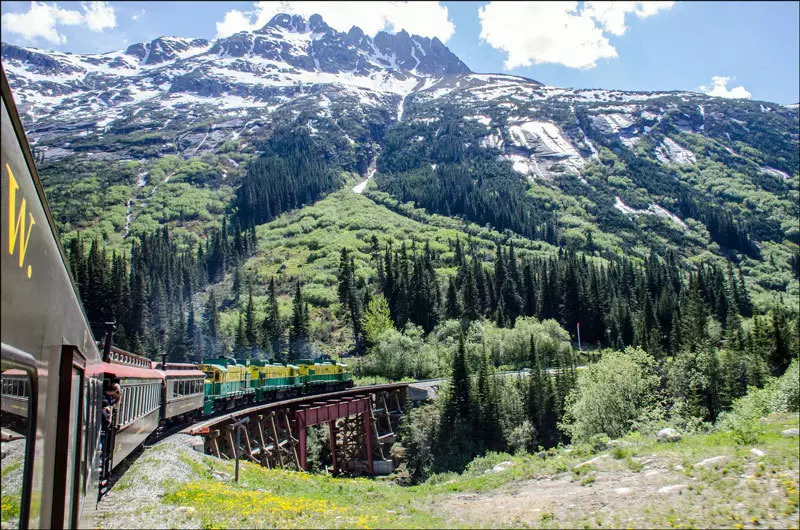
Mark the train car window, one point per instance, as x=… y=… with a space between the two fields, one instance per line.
x=123 y=407
x=137 y=411
x=132 y=414
x=18 y=419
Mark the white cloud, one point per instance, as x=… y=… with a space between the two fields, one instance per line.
x=611 y=15
x=42 y=20
x=99 y=16
x=428 y=19
x=136 y=17
x=559 y=32
x=234 y=22
x=719 y=88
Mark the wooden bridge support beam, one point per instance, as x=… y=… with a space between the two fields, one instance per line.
x=368 y=436
x=332 y=437
x=277 y=435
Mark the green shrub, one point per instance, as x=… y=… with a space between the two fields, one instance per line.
x=611 y=395
x=786 y=391
x=778 y=395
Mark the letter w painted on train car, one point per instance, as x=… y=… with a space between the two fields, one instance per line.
x=16 y=222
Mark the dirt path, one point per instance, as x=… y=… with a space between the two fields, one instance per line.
x=609 y=494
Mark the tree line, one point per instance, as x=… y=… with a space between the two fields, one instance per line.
x=617 y=303
x=292 y=171
x=149 y=292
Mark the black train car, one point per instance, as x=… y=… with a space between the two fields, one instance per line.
x=183 y=393
x=45 y=334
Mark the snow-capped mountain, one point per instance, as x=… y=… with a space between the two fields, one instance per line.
x=189 y=95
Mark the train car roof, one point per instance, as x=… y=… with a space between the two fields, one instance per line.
x=122 y=371
x=182 y=373
x=215 y=366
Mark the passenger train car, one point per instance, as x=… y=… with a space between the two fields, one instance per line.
x=55 y=376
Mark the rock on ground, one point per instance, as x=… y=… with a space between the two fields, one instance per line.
x=668 y=435
x=713 y=461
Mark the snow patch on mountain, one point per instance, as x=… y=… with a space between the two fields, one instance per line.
x=670 y=152
x=546 y=140
x=776 y=172
x=653 y=209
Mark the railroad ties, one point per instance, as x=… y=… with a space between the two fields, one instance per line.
x=361 y=423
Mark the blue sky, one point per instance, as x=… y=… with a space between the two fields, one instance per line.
x=731 y=49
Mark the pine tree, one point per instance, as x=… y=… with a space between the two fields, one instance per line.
x=212 y=322
x=236 y=290
x=470 y=310
x=779 y=355
x=240 y=344
x=452 y=307
x=271 y=328
x=250 y=319
x=488 y=411
x=457 y=407
x=345 y=278
x=298 y=333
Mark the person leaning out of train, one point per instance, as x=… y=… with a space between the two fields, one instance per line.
x=111 y=399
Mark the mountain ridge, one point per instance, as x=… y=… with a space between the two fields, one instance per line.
x=375 y=107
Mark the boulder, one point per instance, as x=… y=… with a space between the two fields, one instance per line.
x=502 y=466
x=790 y=433
x=668 y=435
x=714 y=461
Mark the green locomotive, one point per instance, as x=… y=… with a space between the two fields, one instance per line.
x=230 y=383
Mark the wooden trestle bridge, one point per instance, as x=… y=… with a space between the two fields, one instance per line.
x=361 y=423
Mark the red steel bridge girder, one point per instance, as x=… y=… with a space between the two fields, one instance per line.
x=324 y=412
x=265 y=444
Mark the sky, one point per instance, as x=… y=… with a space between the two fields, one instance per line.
x=728 y=49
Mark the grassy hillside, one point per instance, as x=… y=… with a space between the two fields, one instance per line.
x=305 y=244
x=705 y=480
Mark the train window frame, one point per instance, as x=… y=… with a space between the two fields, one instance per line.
x=123 y=407
x=68 y=448
x=13 y=358
x=138 y=403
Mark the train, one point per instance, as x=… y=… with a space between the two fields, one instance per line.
x=55 y=376
x=157 y=395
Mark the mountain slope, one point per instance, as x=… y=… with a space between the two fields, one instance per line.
x=164 y=132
